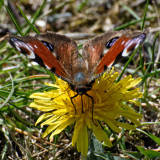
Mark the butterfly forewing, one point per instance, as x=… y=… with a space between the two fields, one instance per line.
x=65 y=50
x=94 y=49
x=57 y=53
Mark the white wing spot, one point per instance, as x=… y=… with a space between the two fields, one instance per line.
x=105 y=51
x=30 y=46
x=47 y=66
x=17 y=44
x=110 y=65
x=125 y=53
x=30 y=54
x=35 y=46
x=54 y=53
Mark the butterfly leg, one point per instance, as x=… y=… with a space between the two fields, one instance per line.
x=92 y=106
x=82 y=104
x=73 y=103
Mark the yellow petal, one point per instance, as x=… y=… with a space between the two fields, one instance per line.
x=111 y=124
x=43 y=116
x=101 y=135
x=125 y=125
x=82 y=141
x=61 y=127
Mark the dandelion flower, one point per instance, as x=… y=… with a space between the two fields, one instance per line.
x=110 y=103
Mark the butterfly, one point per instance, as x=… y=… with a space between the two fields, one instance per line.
x=60 y=54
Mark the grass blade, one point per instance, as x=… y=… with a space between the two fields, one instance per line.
x=145 y=13
x=10 y=94
x=19 y=29
x=30 y=24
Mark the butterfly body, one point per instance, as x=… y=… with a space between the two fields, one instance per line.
x=60 y=54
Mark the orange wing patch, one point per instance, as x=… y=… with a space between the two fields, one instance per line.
x=111 y=55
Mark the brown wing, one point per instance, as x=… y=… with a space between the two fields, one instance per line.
x=102 y=51
x=55 y=52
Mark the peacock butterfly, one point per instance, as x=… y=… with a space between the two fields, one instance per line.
x=60 y=54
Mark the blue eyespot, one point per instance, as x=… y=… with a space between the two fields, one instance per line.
x=141 y=37
x=110 y=43
x=13 y=41
x=48 y=45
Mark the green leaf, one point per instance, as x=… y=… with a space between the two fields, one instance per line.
x=149 y=153
x=94 y=147
x=153 y=137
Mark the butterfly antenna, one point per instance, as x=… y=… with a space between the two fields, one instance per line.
x=73 y=103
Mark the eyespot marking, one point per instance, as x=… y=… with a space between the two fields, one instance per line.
x=22 y=47
x=133 y=44
x=15 y=43
x=110 y=43
x=48 y=45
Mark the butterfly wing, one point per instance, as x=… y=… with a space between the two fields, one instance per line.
x=56 y=52
x=102 y=51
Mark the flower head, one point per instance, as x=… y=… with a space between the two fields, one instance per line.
x=109 y=104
